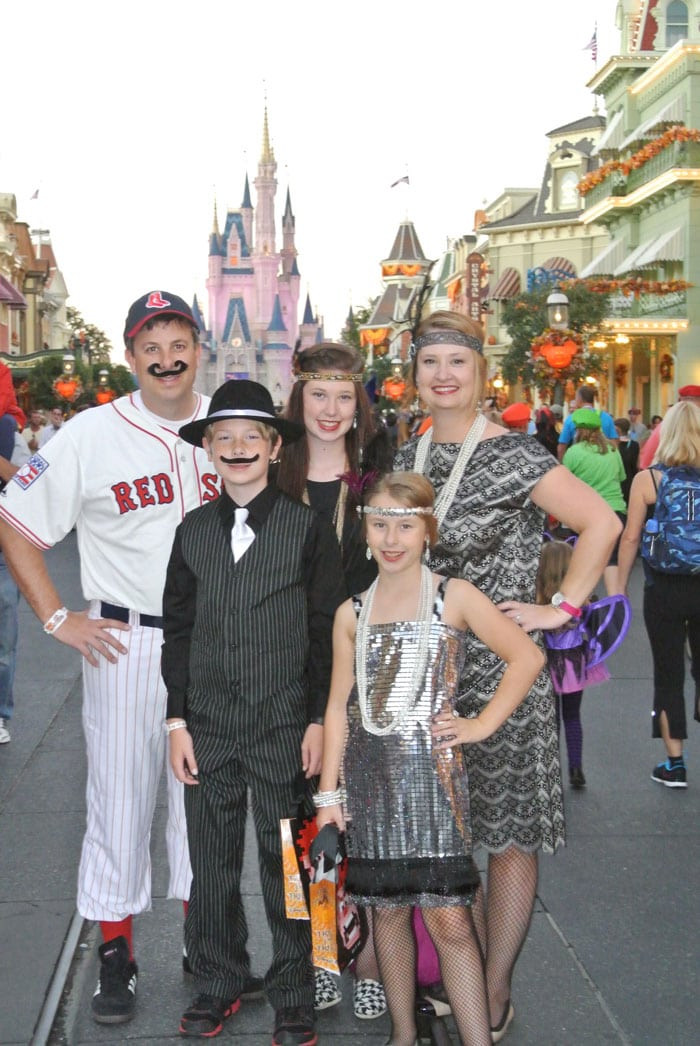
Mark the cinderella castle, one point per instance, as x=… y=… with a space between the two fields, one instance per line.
x=253 y=292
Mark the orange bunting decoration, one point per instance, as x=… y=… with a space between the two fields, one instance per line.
x=374 y=337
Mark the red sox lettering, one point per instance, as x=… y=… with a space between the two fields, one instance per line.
x=156 y=490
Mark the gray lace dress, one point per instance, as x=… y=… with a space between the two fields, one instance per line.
x=492 y=536
x=408 y=834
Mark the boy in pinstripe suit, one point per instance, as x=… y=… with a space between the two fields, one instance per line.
x=253 y=582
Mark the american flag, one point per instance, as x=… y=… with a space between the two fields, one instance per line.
x=592 y=45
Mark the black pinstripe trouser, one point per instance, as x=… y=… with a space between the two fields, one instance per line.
x=216 y=931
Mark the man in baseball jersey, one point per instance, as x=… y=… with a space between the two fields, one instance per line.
x=120 y=474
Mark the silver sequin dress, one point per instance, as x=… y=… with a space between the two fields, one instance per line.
x=492 y=536
x=408 y=833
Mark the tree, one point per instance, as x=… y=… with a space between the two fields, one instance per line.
x=42 y=376
x=87 y=341
x=525 y=318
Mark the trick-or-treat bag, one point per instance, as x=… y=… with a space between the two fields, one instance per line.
x=314 y=868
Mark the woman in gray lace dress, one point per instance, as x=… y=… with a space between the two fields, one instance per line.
x=494 y=489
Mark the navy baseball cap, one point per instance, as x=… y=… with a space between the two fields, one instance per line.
x=153 y=305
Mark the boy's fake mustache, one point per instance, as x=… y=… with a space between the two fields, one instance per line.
x=178 y=368
x=239 y=461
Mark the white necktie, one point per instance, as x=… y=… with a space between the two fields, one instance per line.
x=242 y=537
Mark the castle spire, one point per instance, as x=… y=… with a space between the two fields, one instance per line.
x=268 y=155
x=215 y=226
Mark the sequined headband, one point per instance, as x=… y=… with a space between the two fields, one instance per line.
x=372 y=510
x=328 y=376
x=443 y=337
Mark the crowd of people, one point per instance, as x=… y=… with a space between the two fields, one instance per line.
x=315 y=610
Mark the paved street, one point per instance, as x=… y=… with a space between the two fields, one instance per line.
x=612 y=955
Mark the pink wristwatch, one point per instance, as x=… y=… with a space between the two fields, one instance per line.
x=559 y=603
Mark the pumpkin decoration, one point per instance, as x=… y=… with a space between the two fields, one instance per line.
x=68 y=388
x=559 y=356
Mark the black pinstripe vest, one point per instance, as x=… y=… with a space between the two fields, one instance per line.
x=250 y=638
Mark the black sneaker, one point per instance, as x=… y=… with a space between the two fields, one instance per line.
x=253 y=986
x=115 y=996
x=294 y=1026
x=673 y=775
x=577 y=779
x=205 y=1017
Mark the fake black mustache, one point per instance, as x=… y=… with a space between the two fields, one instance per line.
x=239 y=461
x=178 y=368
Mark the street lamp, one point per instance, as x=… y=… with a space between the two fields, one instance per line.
x=104 y=393
x=558 y=310
x=68 y=385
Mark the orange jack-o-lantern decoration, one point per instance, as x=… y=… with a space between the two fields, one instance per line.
x=105 y=396
x=559 y=356
x=66 y=387
x=394 y=388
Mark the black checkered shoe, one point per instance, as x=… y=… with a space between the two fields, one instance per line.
x=326 y=992
x=114 y=1000
x=368 y=999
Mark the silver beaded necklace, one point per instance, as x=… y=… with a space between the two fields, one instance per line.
x=447 y=494
x=421 y=646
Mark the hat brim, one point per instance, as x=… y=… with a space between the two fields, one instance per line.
x=194 y=431
x=160 y=315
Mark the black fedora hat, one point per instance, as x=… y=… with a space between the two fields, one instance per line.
x=245 y=401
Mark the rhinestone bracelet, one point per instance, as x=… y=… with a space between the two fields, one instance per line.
x=328 y=798
x=55 y=621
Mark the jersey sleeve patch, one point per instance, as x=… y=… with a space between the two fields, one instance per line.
x=30 y=471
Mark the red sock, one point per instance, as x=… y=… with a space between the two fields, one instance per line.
x=185 y=907
x=110 y=930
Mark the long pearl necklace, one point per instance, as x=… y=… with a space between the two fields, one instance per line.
x=422 y=651
x=447 y=494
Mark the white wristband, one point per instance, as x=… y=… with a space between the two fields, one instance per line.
x=55 y=621
x=177 y=724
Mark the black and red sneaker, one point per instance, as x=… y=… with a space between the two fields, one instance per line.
x=294 y=1026
x=205 y=1017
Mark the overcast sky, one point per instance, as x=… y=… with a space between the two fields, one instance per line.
x=129 y=118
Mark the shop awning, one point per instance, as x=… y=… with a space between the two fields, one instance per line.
x=629 y=262
x=672 y=113
x=612 y=135
x=10 y=296
x=606 y=262
x=668 y=247
x=508 y=285
x=562 y=265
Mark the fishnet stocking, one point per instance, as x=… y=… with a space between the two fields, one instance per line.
x=366 y=962
x=511 y=888
x=454 y=936
x=395 y=949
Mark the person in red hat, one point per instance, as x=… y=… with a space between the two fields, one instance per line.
x=121 y=475
x=648 y=451
x=517 y=417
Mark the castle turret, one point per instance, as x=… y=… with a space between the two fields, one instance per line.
x=288 y=248
x=247 y=213
x=266 y=187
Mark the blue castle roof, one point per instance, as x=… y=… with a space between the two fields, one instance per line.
x=308 y=312
x=277 y=323
x=236 y=308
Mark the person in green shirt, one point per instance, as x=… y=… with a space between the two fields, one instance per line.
x=595 y=461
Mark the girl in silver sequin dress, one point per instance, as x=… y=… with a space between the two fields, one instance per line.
x=394 y=739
